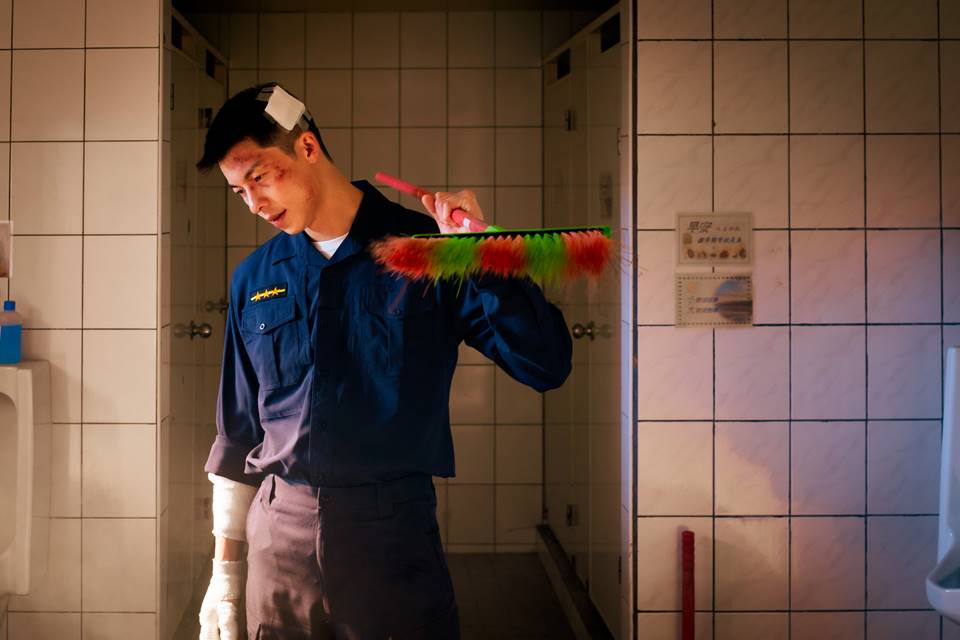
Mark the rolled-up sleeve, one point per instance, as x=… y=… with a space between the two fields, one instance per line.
x=511 y=322
x=238 y=416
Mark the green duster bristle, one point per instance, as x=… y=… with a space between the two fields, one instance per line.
x=546 y=256
x=454 y=257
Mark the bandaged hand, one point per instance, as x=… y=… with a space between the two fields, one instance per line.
x=220 y=610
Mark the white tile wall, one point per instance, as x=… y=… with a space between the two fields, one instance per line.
x=46 y=187
x=47 y=97
x=861 y=204
x=47 y=24
x=122 y=23
x=122 y=94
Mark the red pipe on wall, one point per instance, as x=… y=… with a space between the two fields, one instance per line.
x=689 y=606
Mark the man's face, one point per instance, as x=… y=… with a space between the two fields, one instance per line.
x=273 y=185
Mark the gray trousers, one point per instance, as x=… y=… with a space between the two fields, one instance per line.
x=356 y=563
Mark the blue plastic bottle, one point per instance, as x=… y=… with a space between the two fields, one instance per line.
x=11 y=328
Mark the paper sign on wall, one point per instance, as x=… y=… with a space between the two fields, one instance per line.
x=714 y=239
x=714 y=299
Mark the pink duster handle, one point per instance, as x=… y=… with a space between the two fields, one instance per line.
x=459 y=216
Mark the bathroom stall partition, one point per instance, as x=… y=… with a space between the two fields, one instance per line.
x=194 y=283
x=582 y=419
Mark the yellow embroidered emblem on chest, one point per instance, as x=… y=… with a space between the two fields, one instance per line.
x=266 y=294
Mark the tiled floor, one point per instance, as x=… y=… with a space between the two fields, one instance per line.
x=506 y=597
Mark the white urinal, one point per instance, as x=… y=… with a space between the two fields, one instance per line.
x=943 y=583
x=24 y=475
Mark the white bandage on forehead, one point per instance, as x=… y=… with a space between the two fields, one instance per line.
x=282 y=108
x=231 y=501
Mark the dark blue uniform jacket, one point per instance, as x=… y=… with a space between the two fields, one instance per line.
x=336 y=373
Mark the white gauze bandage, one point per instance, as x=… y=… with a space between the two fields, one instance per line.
x=231 y=501
x=284 y=109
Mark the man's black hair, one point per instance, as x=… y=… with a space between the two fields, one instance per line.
x=242 y=118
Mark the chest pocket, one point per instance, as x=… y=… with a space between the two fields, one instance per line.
x=397 y=325
x=274 y=337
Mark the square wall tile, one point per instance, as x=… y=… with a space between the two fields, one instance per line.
x=827 y=468
x=769 y=626
x=417 y=50
x=900 y=553
x=120 y=187
x=375 y=150
x=328 y=97
x=656 y=255
x=60 y=588
x=519 y=510
x=904 y=372
x=751 y=563
x=423 y=155
x=423 y=97
x=682 y=19
x=37 y=626
x=65 y=471
x=752 y=374
x=516 y=403
x=901 y=87
x=519 y=454
x=771 y=272
x=902 y=184
x=47 y=24
x=241 y=41
x=826 y=181
x=47 y=99
x=903 y=279
x=827 y=563
x=291 y=79
x=949 y=19
x=376 y=39
x=892 y=19
x=470 y=37
x=950 y=180
x=893 y=625
x=126 y=393
x=518 y=154
x=330 y=44
x=119 y=564
x=120 y=298
x=5 y=41
x=827 y=276
x=750 y=19
x=657 y=556
x=951 y=276
x=826 y=87
x=471 y=395
x=473 y=447
x=752 y=462
x=826 y=626
x=517 y=39
x=376 y=98
x=240 y=79
x=471 y=157
x=472 y=104
x=470 y=514
x=828 y=373
x=903 y=460
x=122 y=94
x=281 y=41
x=112 y=451
x=5 y=76
x=950 y=86
x=338 y=143
x=675 y=379
x=62 y=349
x=122 y=23
x=674 y=468
x=518 y=207
x=46 y=280
x=119 y=626
x=675 y=77
x=750 y=80
x=674 y=174
x=518 y=97
x=751 y=175
x=46 y=187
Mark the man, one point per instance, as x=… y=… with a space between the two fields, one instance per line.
x=334 y=394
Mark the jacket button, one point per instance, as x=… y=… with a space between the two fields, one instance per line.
x=262 y=325
x=396 y=312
